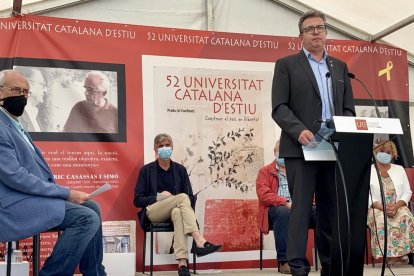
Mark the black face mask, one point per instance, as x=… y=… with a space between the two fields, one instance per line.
x=15 y=105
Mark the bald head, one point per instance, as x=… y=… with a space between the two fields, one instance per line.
x=9 y=80
x=37 y=83
x=10 y=76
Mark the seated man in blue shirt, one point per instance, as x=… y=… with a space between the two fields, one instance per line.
x=164 y=193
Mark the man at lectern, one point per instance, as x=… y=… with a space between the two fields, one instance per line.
x=309 y=88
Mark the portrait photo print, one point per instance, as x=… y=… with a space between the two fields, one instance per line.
x=74 y=100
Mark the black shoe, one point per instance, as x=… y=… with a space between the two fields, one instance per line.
x=207 y=249
x=183 y=271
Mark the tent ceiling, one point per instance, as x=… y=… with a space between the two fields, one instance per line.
x=367 y=19
x=389 y=21
x=34 y=6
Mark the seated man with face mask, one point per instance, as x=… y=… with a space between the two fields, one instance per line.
x=275 y=204
x=32 y=202
x=164 y=193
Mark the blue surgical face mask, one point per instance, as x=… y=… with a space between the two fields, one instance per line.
x=383 y=157
x=165 y=153
x=280 y=161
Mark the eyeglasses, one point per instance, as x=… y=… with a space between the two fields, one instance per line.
x=92 y=91
x=18 y=90
x=311 y=29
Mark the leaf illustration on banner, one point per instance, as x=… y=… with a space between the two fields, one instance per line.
x=227 y=154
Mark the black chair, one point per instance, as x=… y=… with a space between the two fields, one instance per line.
x=153 y=228
x=9 y=253
x=36 y=255
x=36 y=251
x=278 y=263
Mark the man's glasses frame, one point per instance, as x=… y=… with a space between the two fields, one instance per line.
x=311 y=29
x=92 y=91
x=18 y=90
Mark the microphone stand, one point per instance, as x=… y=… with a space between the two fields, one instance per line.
x=345 y=258
x=352 y=76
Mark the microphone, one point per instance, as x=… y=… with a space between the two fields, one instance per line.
x=352 y=76
x=329 y=121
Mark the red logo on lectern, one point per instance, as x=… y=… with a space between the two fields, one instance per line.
x=361 y=124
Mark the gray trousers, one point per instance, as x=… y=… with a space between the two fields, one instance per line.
x=177 y=209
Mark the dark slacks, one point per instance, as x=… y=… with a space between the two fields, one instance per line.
x=80 y=242
x=305 y=180
x=279 y=219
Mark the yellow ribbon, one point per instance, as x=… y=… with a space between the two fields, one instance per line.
x=387 y=70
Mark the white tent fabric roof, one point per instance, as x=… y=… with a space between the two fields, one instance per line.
x=359 y=19
x=353 y=19
x=371 y=17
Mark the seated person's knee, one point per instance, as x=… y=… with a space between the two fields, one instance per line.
x=283 y=213
x=175 y=212
x=183 y=198
x=94 y=206
x=91 y=218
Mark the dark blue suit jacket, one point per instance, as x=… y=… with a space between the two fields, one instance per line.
x=30 y=200
x=296 y=99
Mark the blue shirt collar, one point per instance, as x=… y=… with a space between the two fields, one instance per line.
x=309 y=55
x=19 y=128
x=16 y=123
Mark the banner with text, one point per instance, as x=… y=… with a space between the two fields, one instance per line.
x=210 y=91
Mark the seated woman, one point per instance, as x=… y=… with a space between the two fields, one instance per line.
x=164 y=193
x=400 y=220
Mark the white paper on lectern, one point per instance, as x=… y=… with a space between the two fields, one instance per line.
x=319 y=149
x=103 y=188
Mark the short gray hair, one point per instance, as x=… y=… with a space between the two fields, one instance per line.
x=161 y=137
x=310 y=14
x=104 y=78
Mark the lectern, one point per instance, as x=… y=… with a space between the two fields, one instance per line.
x=354 y=137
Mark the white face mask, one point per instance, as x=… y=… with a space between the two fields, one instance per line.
x=165 y=153
x=280 y=161
x=383 y=157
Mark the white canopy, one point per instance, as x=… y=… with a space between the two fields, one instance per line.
x=372 y=20
x=389 y=22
